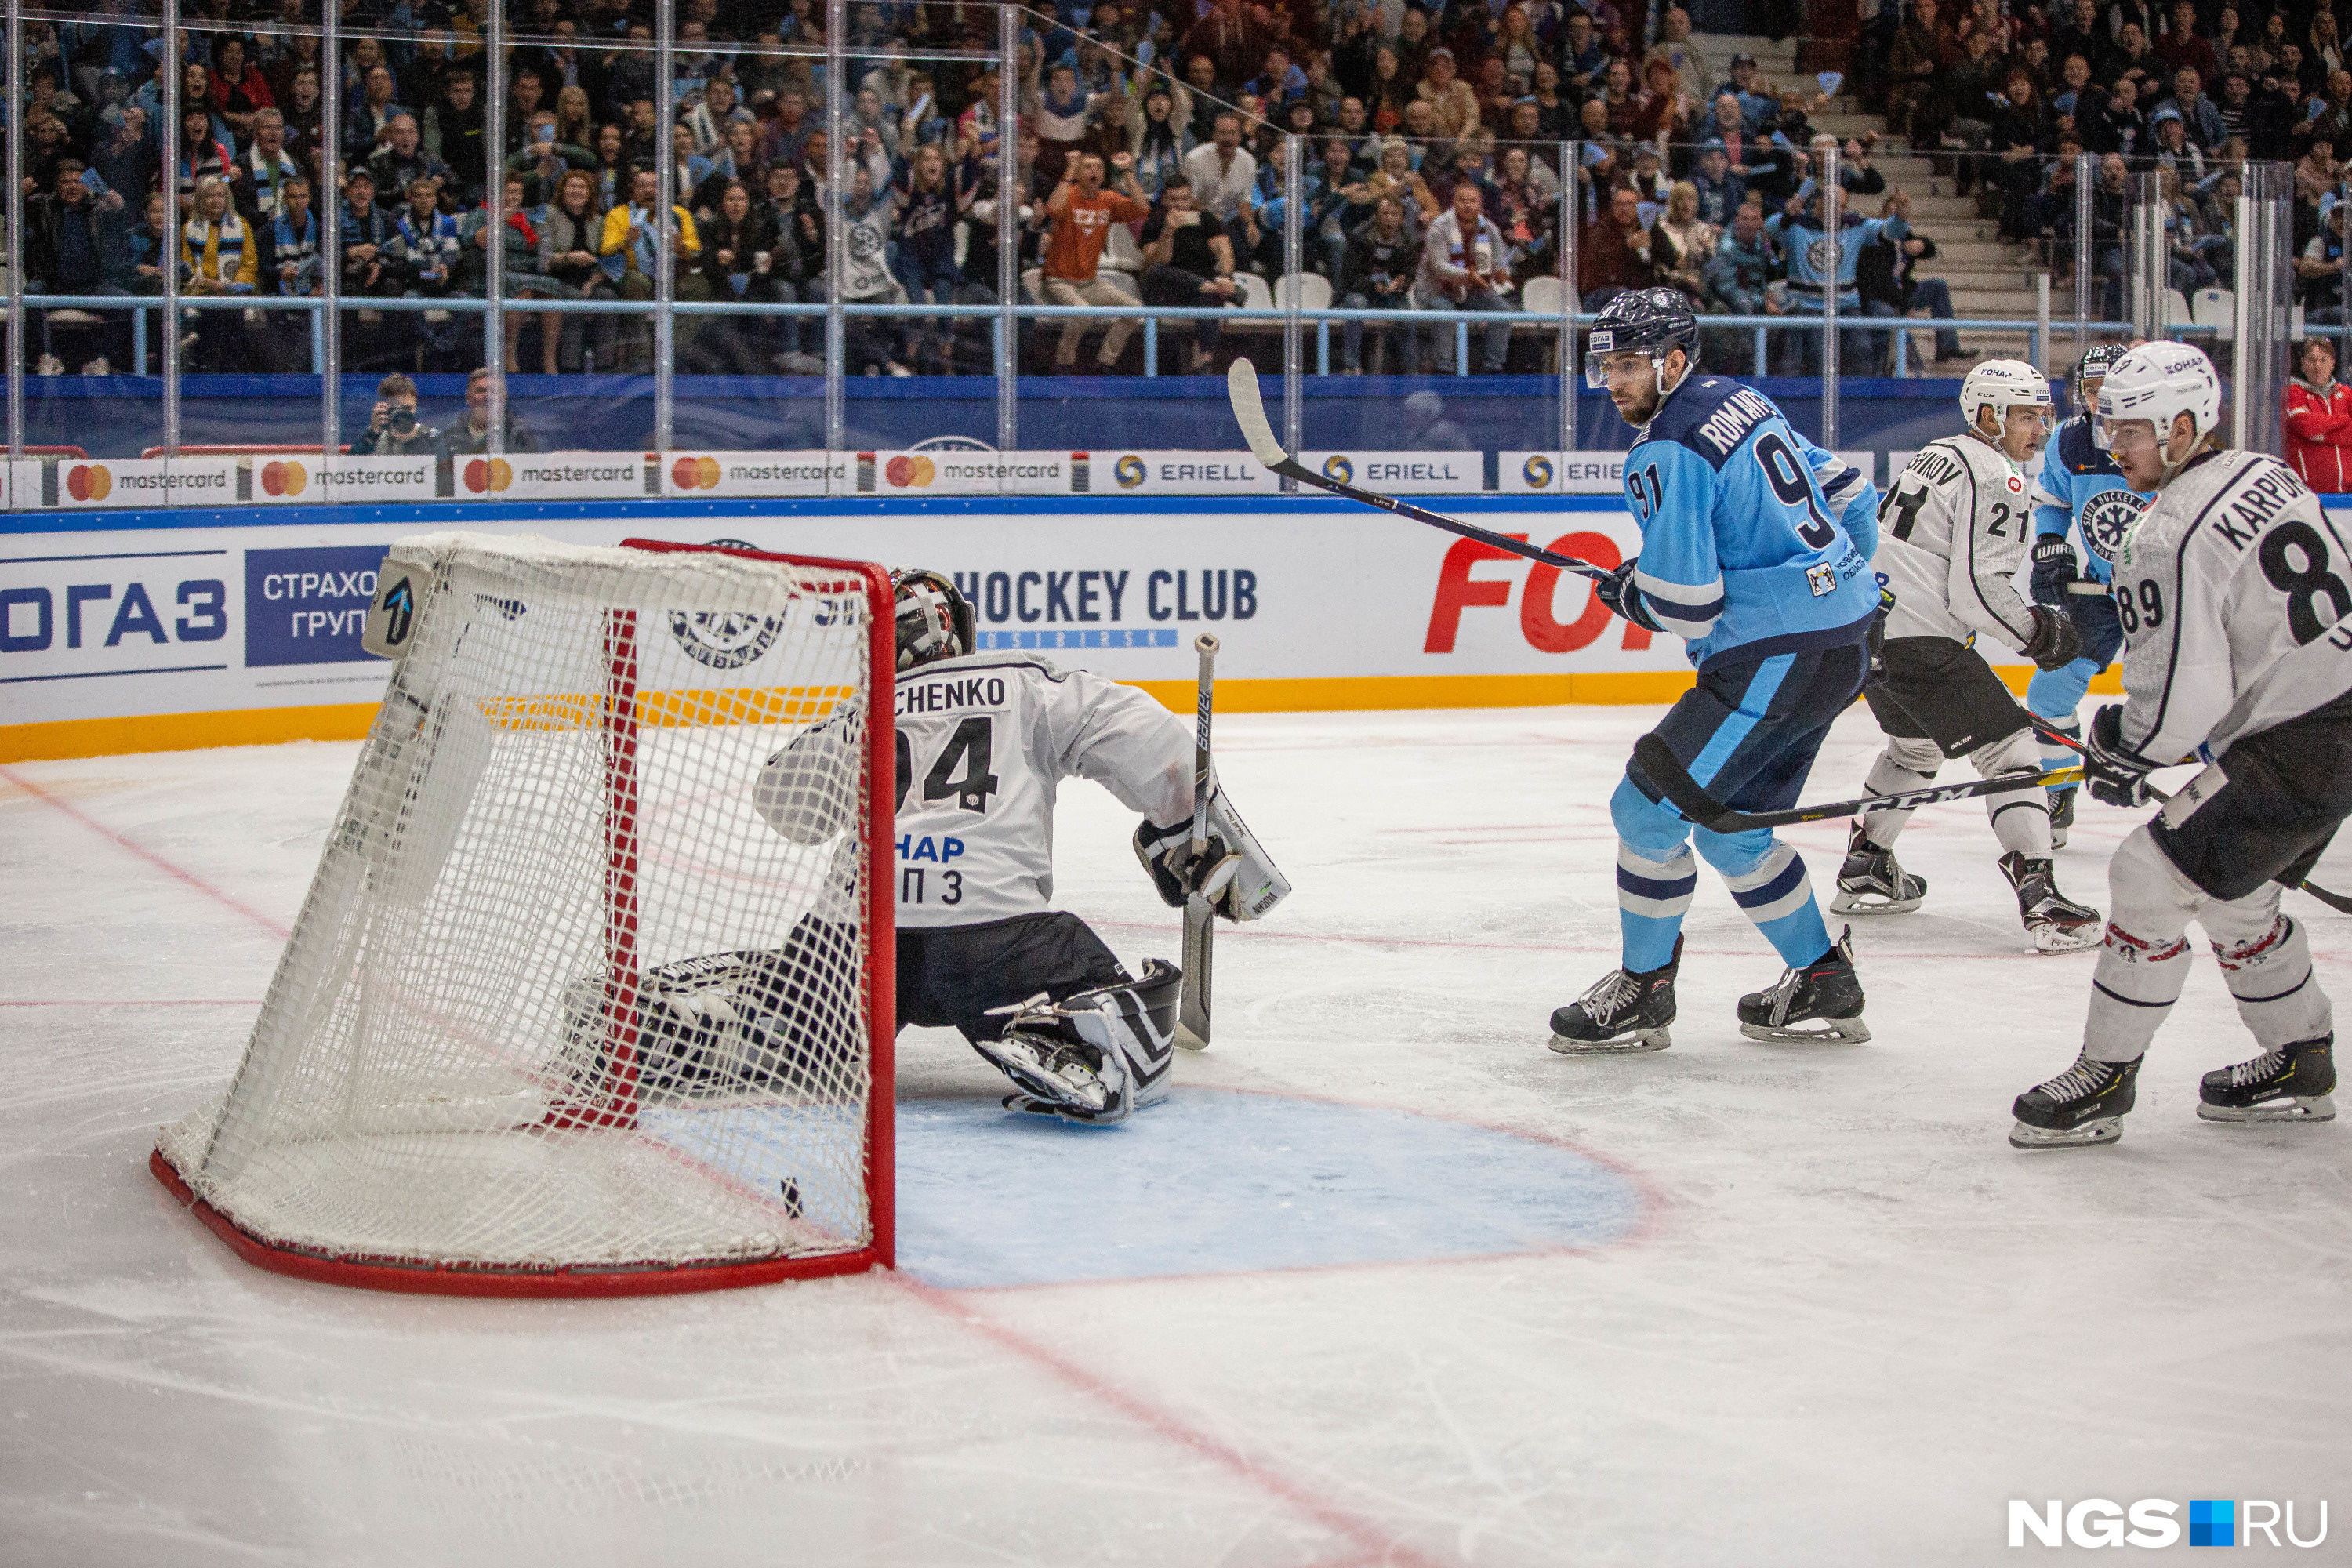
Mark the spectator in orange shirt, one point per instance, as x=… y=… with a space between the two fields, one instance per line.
x=1082 y=213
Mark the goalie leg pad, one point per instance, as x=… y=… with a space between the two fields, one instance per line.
x=1096 y=1055
x=719 y=1021
x=1238 y=877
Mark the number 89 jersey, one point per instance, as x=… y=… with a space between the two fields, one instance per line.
x=2235 y=594
x=1954 y=529
x=984 y=743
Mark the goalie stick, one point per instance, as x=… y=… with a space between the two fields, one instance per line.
x=1667 y=771
x=1249 y=412
x=2336 y=902
x=1199 y=920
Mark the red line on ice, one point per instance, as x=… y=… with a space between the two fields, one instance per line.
x=169 y=869
x=1372 y=1540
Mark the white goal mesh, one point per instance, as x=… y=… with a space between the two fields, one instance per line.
x=567 y=1009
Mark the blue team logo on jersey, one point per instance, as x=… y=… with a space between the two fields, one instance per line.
x=2106 y=518
x=1822 y=255
x=1337 y=468
x=1536 y=472
x=1129 y=471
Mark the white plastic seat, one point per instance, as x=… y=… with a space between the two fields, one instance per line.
x=2176 y=307
x=1312 y=289
x=1122 y=253
x=1542 y=296
x=2217 y=309
x=1255 y=295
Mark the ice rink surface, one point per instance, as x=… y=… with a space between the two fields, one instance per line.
x=1387 y=1282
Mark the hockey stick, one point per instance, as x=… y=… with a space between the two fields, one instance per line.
x=1249 y=412
x=2336 y=902
x=1667 y=771
x=1199 y=920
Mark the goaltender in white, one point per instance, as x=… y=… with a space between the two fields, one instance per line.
x=983 y=742
x=2235 y=591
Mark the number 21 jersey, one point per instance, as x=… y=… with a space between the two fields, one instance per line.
x=2235 y=592
x=984 y=743
x=1954 y=529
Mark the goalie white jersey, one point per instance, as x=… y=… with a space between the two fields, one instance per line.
x=1952 y=531
x=2234 y=590
x=983 y=742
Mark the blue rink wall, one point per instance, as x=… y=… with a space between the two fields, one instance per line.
x=120 y=415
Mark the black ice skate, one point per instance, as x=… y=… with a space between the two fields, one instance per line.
x=2081 y=1105
x=2292 y=1084
x=2062 y=815
x=1628 y=1011
x=2055 y=923
x=1872 y=882
x=1826 y=992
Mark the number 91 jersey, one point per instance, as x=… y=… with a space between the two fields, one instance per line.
x=984 y=743
x=2235 y=592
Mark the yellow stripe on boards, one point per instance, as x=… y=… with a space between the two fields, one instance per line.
x=775 y=705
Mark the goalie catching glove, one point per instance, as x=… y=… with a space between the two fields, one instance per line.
x=1235 y=874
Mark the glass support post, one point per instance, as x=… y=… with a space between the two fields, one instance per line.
x=1294 y=267
x=1008 y=229
x=15 y=241
x=174 y=68
x=665 y=197
x=1833 y=223
x=2086 y=173
x=836 y=237
x=494 y=197
x=1571 y=216
x=329 y=206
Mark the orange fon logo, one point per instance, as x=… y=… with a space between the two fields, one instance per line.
x=283 y=480
x=488 y=474
x=89 y=483
x=695 y=473
x=909 y=469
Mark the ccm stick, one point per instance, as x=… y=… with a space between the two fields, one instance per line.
x=1667 y=771
x=1200 y=919
x=1249 y=412
x=2336 y=902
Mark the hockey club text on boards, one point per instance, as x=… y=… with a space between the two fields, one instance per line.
x=1103 y=596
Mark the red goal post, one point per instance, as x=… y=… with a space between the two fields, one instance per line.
x=491 y=1062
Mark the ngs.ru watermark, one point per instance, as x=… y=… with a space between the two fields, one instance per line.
x=2155 y=1522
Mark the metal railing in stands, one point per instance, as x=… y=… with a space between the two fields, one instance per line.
x=2039 y=331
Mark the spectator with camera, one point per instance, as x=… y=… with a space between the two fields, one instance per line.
x=394 y=430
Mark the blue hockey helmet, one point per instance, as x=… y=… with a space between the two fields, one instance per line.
x=1654 y=321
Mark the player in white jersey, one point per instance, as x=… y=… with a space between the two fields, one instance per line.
x=983 y=742
x=2235 y=592
x=1952 y=532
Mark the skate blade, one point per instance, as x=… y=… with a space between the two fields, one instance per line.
x=2048 y=941
x=2299 y=1108
x=1640 y=1040
x=1847 y=903
x=1833 y=1031
x=2057 y=838
x=2099 y=1129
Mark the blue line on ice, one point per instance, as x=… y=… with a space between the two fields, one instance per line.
x=1216 y=1182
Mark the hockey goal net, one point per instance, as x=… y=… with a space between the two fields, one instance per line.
x=568 y=1011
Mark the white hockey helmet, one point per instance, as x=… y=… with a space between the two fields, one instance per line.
x=2158 y=383
x=2001 y=385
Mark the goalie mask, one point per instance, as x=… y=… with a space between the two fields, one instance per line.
x=935 y=620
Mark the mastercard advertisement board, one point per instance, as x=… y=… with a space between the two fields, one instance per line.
x=753 y=474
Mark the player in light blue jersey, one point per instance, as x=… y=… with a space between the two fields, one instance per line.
x=2080 y=488
x=1756 y=548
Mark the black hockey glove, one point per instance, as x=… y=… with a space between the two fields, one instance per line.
x=2055 y=642
x=2054 y=569
x=2115 y=773
x=1617 y=591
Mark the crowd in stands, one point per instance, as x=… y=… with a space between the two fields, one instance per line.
x=2009 y=99
x=1148 y=168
